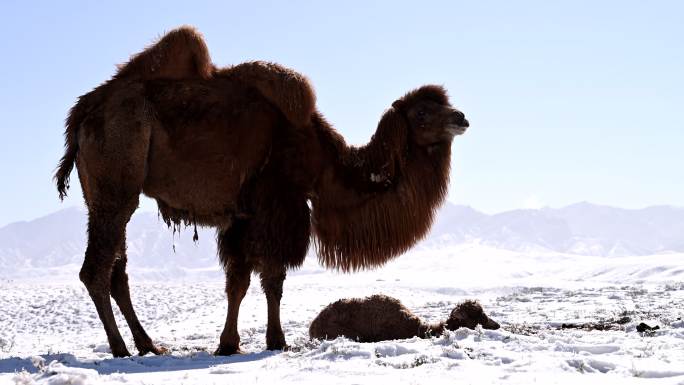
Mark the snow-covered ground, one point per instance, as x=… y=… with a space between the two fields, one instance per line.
x=50 y=333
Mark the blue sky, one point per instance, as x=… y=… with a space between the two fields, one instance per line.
x=568 y=100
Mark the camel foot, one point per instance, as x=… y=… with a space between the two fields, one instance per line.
x=276 y=341
x=159 y=351
x=278 y=346
x=120 y=352
x=228 y=351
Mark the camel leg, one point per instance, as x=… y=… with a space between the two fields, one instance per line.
x=238 y=272
x=105 y=234
x=272 y=279
x=275 y=252
x=111 y=166
x=121 y=294
x=237 y=283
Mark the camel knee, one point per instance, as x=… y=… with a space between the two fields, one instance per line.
x=236 y=286
x=85 y=276
x=94 y=280
x=238 y=278
x=95 y=274
x=273 y=290
x=119 y=285
x=273 y=285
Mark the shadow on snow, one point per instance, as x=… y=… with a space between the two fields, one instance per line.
x=135 y=364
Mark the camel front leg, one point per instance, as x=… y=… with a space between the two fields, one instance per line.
x=237 y=283
x=272 y=283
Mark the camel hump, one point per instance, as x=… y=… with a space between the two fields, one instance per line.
x=288 y=90
x=179 y=54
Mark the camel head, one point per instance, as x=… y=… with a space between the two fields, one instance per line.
x=430 y=116
x=469 y=314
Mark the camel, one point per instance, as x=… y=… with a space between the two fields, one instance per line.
x=382 y=318
x=243 y=149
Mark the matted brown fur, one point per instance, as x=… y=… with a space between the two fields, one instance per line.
x=390 y=206
x=469 y=314
x=292 y=92
x=244 y=150
x=370 y=319
x=381 y=318
x=179 y=54
x=182 y=55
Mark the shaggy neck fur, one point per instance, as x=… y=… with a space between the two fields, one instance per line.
x=375 y=202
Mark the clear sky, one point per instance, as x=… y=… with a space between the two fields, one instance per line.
x=568 y=100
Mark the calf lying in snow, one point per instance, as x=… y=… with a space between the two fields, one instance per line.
x=380 y=318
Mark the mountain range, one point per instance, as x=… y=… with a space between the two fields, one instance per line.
x=58 y=240
x=581 y=228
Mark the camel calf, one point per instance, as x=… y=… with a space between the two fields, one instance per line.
x=379 y=318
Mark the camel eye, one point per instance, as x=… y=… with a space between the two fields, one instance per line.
x=421 y=115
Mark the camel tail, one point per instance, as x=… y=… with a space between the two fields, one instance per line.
x=290 y=91
x=66 y=164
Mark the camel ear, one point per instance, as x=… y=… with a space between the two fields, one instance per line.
x=398 y=104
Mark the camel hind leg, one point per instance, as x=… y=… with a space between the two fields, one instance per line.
x=121 y=294
x=105 y=234
x=111 y=167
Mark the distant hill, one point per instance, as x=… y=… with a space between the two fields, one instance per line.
x=57 y=241
x=581 y=228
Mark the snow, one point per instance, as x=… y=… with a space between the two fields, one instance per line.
x=50 y=333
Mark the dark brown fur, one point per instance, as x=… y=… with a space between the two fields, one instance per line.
x=381 y=318
x=243 y=150
x=180 y=54
x=375 y=204
x=469 y=314
x=291 y=92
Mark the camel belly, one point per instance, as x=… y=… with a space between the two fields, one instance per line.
x=199 y=174
x=208 y=139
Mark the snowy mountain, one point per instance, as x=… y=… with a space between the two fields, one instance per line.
x=581 y=228
x=58 y=239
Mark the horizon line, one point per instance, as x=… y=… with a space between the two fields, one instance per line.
x=545 y=207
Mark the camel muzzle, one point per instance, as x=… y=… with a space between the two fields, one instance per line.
x=459 y=119
x=491 y=324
